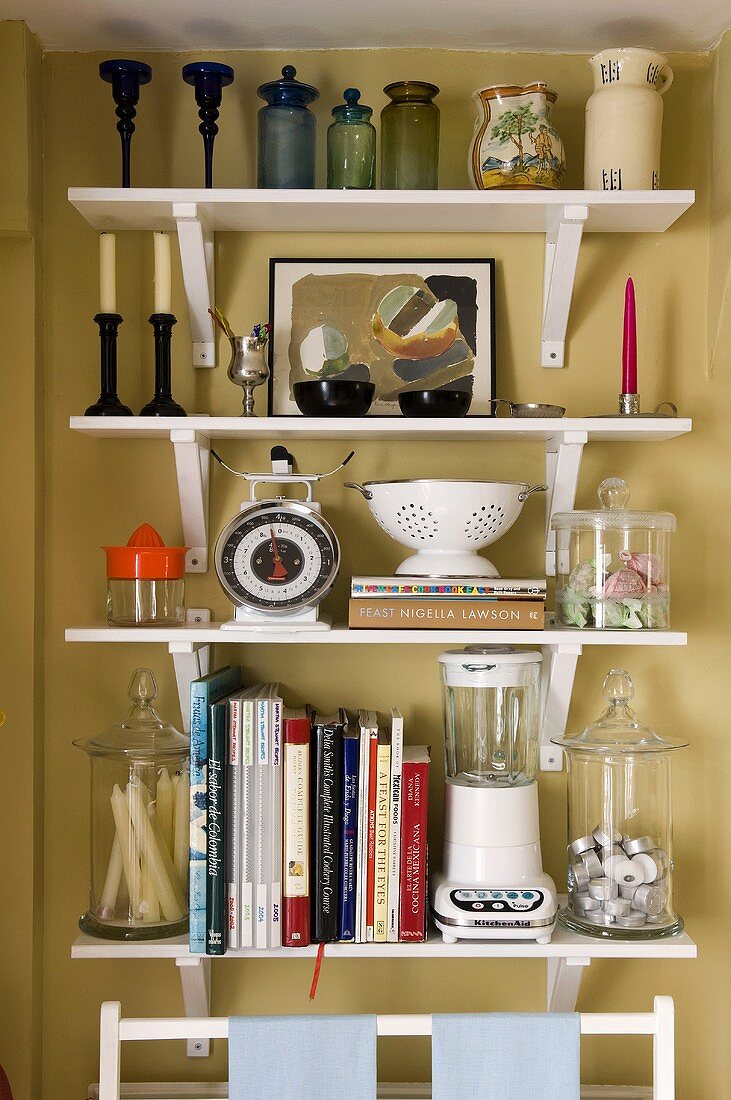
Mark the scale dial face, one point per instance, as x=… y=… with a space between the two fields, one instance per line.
x=277 y=557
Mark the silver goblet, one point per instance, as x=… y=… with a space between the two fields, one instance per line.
x=248 y=367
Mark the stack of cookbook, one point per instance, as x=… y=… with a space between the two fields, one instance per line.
x=305 y=828
x=444 y=603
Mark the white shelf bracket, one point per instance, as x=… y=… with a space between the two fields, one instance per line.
x=192 y=464
x=557 y=673
x=196 y=257
x=563 y=981
x=563 y=463
x=562 y=253
x=191 y=660
x=195 y=980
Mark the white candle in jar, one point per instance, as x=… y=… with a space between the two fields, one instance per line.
x=149 y=902
x=181 y=846
x=163 y=273
x=112 y=881
x=125 y=834
x=161 y=867
x=107 y=273
x=164 y=808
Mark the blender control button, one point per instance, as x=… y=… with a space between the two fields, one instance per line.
x=481 y=894
x=477 y=905
x=498 y=905
x=512 y=894
x=497 y=894
x=527 y=895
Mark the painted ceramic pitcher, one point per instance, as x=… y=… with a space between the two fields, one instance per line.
x=515 y=143
x=624 y=120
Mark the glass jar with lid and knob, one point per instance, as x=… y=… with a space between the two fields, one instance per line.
x=620 y=849
x=351 y=145
x=286 y=133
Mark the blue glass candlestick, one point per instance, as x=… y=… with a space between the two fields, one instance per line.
x=209 y=79
x=125 y=78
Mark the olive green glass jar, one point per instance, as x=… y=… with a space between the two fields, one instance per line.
x=410 y=137
x=351 y=145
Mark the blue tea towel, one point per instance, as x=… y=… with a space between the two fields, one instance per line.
x=506 y=1056
x=302 y=1057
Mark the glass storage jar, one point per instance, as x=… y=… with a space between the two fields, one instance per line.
x=491 y=701
x=410 y=136
x=145 y=581
x=140 y=824
x=286 y=133
x=351 y=145
x=620 y=850
x=613 y=564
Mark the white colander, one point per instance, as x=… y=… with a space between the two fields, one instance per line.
x=447 y=522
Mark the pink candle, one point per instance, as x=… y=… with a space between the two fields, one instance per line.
x=629 y=341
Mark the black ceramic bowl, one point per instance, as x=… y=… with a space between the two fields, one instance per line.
x=441 y=402
x=334 y=397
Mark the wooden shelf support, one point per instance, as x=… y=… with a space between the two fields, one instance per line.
x=563 y=241
x=563 y=981
x=564 y=451
x=557 y=683
x=192 y=465
x=195 y=981
x=195 y=241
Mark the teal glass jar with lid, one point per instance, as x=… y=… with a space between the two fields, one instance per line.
x=410 y=136
x=286 y=133
x=351 y=145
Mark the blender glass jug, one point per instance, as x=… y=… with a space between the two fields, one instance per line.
x=491 y=699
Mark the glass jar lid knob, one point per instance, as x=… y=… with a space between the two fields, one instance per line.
x=613 y=493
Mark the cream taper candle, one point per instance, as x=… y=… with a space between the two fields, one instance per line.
x=181 y=844
x=163 y=273
x=161 y=867
x=164 y=810
x=125 y=834
x=112 y=881
x=107 y=273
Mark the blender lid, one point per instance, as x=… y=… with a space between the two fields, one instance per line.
x=618 y=729
x=142 y=733
x=483 y=656
x=614 y=514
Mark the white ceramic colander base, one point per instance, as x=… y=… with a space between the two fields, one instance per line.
x=446 y=563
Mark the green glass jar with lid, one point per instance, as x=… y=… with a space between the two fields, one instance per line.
x=140 y=823
x=351 y=145
x=410 y=137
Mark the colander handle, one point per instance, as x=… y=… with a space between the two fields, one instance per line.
x=361 y=490
x=533 y=489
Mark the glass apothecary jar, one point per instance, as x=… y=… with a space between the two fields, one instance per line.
x=620 y=850
x=286 y=133
x=410 y=137
x=613 y=564
x=491 y=701
x=351 y=145
x=140 y=823
x=145 y=581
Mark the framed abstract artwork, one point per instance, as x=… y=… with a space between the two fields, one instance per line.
x=402 y=324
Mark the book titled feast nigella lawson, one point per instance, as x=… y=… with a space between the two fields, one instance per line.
x=202 y=693
x=427 y=614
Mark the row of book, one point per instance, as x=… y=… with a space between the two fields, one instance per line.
x=303 y=828
x=434 y=603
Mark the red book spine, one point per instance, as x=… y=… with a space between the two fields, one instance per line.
x=371 y=867
x=296 y=834
x=414 y=804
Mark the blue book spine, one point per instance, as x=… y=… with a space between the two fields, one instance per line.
x=202 y=692
x=349 y=838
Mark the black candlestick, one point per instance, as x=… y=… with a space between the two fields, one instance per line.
x=125 y=78
x=209 y=79
x=163 y=403
x=108 y=403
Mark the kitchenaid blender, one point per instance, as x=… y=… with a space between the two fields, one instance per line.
x=492 y=884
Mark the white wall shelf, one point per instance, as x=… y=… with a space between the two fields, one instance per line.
x=563 y=441
x=562 y=216
x=567 y=956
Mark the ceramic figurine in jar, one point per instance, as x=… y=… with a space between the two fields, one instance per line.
x=620 y=850
x=624 y=120
x=515 y=143
x=351 y=145
x=613 y=564
x=286 y=133
x=140 y=823
x=410 y=137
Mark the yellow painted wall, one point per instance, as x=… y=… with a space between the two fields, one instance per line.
x=97 y=492
x=21 y=560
